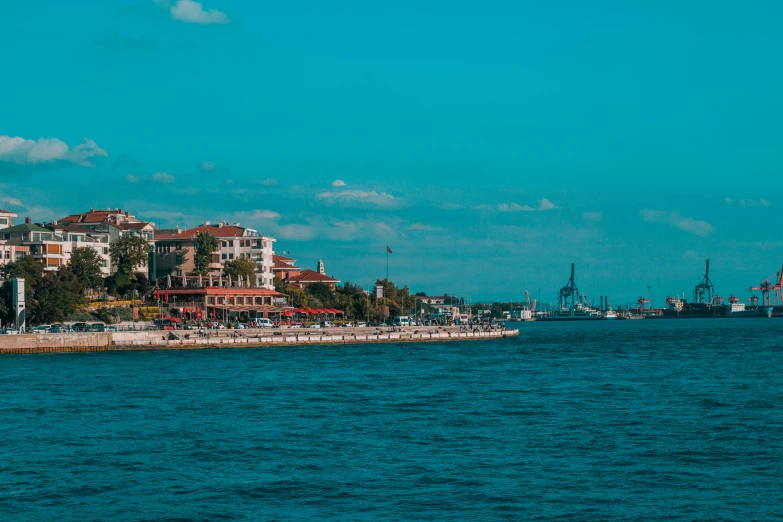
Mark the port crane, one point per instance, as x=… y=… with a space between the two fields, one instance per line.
x=704 y=291
x=767 y=289
x=569 y=293
x=530 y=307
x=641 y=302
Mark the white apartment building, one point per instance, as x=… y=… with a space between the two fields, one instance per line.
x=52 y=245
x=6 y=219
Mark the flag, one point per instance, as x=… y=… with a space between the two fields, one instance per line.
x=166 y=298
x=388 y=250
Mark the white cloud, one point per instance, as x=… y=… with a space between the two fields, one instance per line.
x=753 y=203
x=686 y=224
x=338 y=183
x=11 y=201
x=263 y=214
x=207 y=165
x=728 y=201
x=593 y=216
x=543 y=204
x=192 y=12
x=370 y=197
x=163 y=177
x=130 y=178
x=269 y=182
x=47 y=150
x=423 y=227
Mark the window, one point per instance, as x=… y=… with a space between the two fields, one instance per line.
x=223 y=257
x=223 y=244
x=231 y=244
x=231 y=256
x=3 y=221
x=105 y=250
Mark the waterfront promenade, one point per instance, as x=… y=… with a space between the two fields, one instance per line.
x=191 y=339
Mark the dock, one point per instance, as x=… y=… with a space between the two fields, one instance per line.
x=192 y=339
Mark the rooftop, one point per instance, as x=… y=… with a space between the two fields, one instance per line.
x=25 y=227
x=311 y=276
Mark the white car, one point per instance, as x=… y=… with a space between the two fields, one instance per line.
x=347 y=325
x=316 y=325
x=295 y=326
x=361 y=325
x=42 y=328
x=264 y=323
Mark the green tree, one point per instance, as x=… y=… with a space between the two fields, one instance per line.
x=323 y=293
x=86 y=264
x=206 y=244
x=57 y=296
x=26 y=268
x=399 y=300
x=241 y=267
x=128 y=253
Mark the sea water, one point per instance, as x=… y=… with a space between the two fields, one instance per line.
x=662 y=420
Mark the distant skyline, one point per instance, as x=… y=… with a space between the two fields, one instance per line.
x=489 y=145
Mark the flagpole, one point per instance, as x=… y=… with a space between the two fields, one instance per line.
x=387 y=263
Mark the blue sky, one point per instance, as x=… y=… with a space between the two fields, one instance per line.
x=488 y=144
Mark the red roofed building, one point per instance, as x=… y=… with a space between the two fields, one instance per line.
x=199 y=301
x=307 y=277
x=175 y=250
x=284 y=267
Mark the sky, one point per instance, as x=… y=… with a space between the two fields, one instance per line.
x=488 y=144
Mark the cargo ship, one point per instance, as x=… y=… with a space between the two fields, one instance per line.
x=706 y=304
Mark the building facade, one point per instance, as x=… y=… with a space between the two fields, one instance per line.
x=52 y=244
x=6 y=219
x=11 y=253
x=175 y=250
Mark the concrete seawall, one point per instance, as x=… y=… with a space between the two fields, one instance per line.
x=189 y=339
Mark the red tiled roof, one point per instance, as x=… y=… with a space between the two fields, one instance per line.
x=220 y=232
x=277 y=258
x=284 y=266
x=311 y=276
x=94 y=216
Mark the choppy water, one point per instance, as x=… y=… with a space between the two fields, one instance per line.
x=658 y=420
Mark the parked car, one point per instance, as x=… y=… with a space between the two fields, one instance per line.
x=314 y=325
x=264 y=322
x=80 y=327
x=239 y=326
x=97 y=327
x=295 y=325
x=42 y=328
x=112 y=329
x=327 y=324
x=59 y=328
x=219 y=327
x=361 y=324
x=347 y=325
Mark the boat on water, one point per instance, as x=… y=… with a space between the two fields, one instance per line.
x=578 y=312
x=736 y=308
